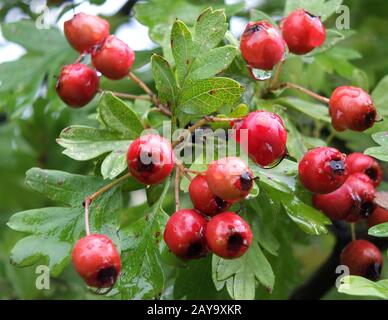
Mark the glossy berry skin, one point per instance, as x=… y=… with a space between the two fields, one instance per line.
x=262 y=47
x=351 y=108
x=229 y=178
x=363 y=259
x=77 y=85
x=228 y=235
x=267 y=137
x=204 y=199
x=97 y=260
x=84 y=31
x=358 y=162
x=184 y=234
x=323 y=170
x=150 y=159
x=113 y=58
x=378 y=216
x=303 y=32
x=351 y=202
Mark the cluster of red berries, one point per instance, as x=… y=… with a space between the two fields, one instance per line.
x=262 y=46
x=77 y=83
x=344 y=189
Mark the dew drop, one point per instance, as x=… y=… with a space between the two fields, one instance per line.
x=260 y=75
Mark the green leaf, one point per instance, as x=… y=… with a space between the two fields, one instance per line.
x=85 y=143
x=257 y=15
x=203 y=97
x=380 y=230
x=358 y=286
x=321 y=8
x=119 y=116
x=115 y=163
x=315 y=110
x=381 y=152
x=380 y=96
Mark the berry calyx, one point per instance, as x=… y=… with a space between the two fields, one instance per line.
x=303 y=32
x=262 y=47
x=204 y=199
x=77 y=85
x=84 y=31
x=97 y=260
x=352 y=108
x=266 y=137
x=378 y=216
x=184 y=234
x=228 y=235
x=358 y=162
x=323 y=170
x=229 y=178
x=150 y=159
x=363 y=259
x=113 y=58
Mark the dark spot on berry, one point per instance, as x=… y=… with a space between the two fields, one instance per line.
x=373 y=271
x=106 y=277
x=246 y=181
x=338 y=167
x=221 y=203
x=371 y=173
x=310 y=14
x=235 y=242
x=256 y=28
x=366 y=209
x=145 y=167
x=195 y=250
x=370 y=119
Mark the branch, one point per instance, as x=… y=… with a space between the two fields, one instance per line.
x=177 y=177
x=289 y=85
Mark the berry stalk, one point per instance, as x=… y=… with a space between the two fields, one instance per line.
x=289 y=85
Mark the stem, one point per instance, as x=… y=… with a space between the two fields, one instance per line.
x=353 y=231
x=276 y=77
x=289 y=85
x=183 y=170
x=88 y=200
x=177 y=202
x=79 y=59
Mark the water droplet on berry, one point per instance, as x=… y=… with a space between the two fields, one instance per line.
x=260 y=75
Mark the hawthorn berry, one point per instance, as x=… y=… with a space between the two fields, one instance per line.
x=228 y=235
x=77 y=85
x=363 y=259
x=378 y=216
x=184 y=234
x=84 y=31
x=229 y=178
x=323 y=170
x=303 y=32
x=351 y=108
x=113 y=58
x=266 y=137
x=358 y=162
x=204 y=199
x=150 y=159
x=262 y=47
x=97 y=260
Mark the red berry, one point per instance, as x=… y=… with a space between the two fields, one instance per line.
x=229 y=178
x=150 y=159
x=303 y=32
x=267 y=137
x=378 y=216
x=261 y=45
x=84 y=31
x=204 y=199
x=97 y=261
x=358 y=162
x=113 y=58
x=323 y=170
x=77 y=85
x=228 y=235
x=352 y=108
x=363 y=259
x=184 y=234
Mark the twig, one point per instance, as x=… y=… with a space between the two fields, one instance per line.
x=182 y=169
x=276 y=77
x=177 y=202
x=289 y=85
x=353 y=231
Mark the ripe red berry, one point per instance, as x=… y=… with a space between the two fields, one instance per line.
x=97 y=261
x=228 y=235
x=363 y=259
x=323 y=170
x=77 y=85
x=358 y=162
x=351 y=202
x=262 y=47
x=84 y=31
x=113 y=58
x=184 y=234
x=150 y=159
x=378 y=216
x=266 y=137
x=303 y=32
x=204 y=199
x=352 y=108
x=229 y=178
